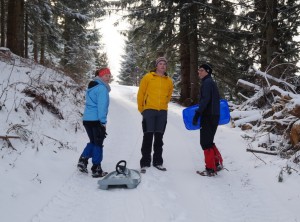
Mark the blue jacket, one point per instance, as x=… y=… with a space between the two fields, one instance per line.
x=209 y=103
x=96 y=101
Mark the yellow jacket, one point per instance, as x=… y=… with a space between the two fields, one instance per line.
x=155 y=92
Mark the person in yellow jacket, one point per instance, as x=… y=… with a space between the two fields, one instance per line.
x=153 y=96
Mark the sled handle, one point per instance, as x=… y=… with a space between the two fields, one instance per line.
x=121 y=166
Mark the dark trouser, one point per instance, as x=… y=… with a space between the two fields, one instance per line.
x=147 y=148
x=94 y=149
x=209 y=125
x=154 y=124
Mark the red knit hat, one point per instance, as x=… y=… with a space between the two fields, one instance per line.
x=103 y=71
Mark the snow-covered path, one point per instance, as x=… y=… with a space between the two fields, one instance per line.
x=247 y=192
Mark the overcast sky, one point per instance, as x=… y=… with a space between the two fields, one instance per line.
x=114 y=41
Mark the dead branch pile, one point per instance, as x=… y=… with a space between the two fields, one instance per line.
x=273 y=111
x=42 y=100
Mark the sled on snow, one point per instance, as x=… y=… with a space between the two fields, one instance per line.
x=122 y=177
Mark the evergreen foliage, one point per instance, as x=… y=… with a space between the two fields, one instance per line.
x=58 y=33
x=274 y=25
x=233 y=36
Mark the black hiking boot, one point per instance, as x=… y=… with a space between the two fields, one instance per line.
x=82 y=165
x=219 y=167
x=208 y=172
x=144 y=169
x=160 y=167
x=97 y=171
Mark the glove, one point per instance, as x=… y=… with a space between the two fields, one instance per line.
x=195 y=118
x=103 y=128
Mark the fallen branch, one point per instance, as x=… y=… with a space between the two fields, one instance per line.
x=258 y=99
x=273 y=80
x=62 y=145
x=41 y=99
x=248 y=86
x=261 y=151
x=53 y=139
x=6 y=138
x=9 y=137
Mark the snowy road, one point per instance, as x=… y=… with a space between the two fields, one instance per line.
x=247 y=192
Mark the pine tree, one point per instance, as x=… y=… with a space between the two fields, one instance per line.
x=52 y=30
x=274 y=23
x=220 y=32
x=15 y=27
x=2 y=22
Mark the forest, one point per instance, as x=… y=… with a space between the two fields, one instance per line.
x=252 y=45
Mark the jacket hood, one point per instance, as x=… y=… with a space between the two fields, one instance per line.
x=100 y=81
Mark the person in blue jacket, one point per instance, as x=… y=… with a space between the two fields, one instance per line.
x=94 y=122
x=209 y=110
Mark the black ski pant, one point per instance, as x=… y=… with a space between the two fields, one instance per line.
x=147 y=148
x=209 y=125
x=154 y=124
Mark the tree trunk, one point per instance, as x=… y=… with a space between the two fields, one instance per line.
x=35 y=47
x=193 y=39
x=272 y=45
x=269 y=44
x=66 y=37
x=260 y=8
x=184 y=60
x=2 y=21
x=15 y=27
x=26 y=53
x=42 y=45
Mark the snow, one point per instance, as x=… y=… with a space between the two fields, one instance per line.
x=235 y=114
x=267 y=76
x=40 y=183
x=284 y=93
x=250 y=85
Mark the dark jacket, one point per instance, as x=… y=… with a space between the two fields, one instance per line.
x=209 y=103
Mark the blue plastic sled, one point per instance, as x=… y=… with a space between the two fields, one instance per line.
x=189 y=112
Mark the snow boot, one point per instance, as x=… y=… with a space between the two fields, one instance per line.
x=219 y=167
x=97 y=171
x=82 y=164
x=160 y=167
x=208 y=172
x=144 y=169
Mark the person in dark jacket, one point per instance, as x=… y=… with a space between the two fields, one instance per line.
x=94 y=122
x=209 y=110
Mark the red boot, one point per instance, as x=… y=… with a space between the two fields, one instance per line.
x=218 y=158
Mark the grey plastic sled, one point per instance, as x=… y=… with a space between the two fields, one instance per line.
x=122 y=177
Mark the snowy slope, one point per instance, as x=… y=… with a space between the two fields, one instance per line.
x=39 y=181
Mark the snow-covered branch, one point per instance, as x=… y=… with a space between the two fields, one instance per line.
x=274 y=108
